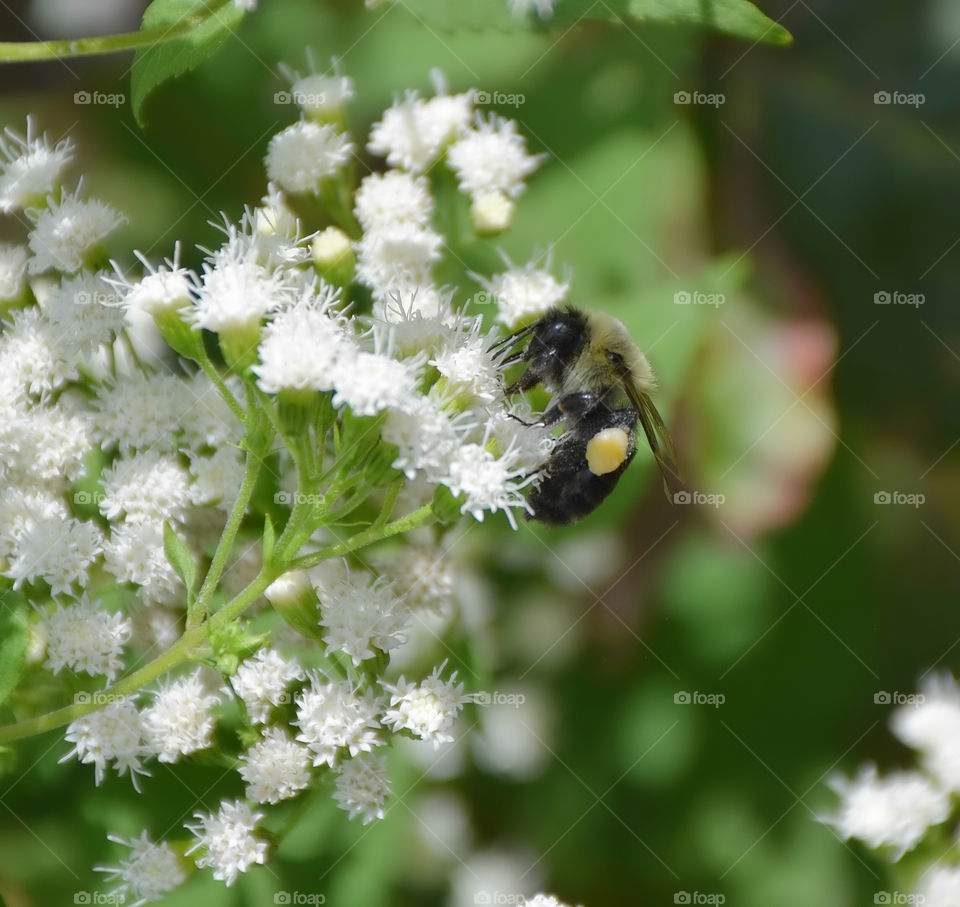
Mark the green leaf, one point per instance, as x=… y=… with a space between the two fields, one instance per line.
x=735 y=17
x=13 y=640
x=180 y=557
x=212 y=23
x=269 y=537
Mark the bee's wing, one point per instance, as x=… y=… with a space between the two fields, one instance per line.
x=657 y=437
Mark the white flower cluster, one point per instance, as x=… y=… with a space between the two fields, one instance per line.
x=109 y=450
x=895 y=812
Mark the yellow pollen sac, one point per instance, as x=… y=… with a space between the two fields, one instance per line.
x=607 y=450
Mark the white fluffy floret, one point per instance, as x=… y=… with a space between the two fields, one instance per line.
x=227 y=841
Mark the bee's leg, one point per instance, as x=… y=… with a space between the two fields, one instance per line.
x=523 y=421
x=572 y=407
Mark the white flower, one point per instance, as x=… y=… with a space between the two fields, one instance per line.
x=145 y=487
x=427 y=709
x=237 y=290
x=49 y=444
x=894 y=811
x=543 y=900
x=423 y=578
x=939 y=886
x=524 y=293
x=362 y=616
x=425 y=437
x=216 y=478
x=543 y=9
x=397 y=259
x=141 y=410
x=276 y=768
x=112 y=733
x=414 y=132
x=370 y=382
x=85 y=637
x=469 y=367
x=492 y=157
x=135 y=554
x=30 y=168
x=321 y=96
x=13 y=269
x=262 y=681
x=57 y=550
x=306 y=153
x=33 y=356
x=163 y=289
x=227 y=840
x=66 y=231
x=393 y=198
x=301 y=346
x=179 y=721
x=84 y=311
x=932 y=726
x=488 y=482
x=21 y=509
x=333 y=717
x=147 y=874
x=492 y=212
x=362 y=787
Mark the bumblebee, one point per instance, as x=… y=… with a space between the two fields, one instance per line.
x=601 y=384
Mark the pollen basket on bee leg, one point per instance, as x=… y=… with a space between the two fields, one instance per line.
x=607 y=450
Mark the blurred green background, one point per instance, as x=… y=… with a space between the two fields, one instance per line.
x=790 y=592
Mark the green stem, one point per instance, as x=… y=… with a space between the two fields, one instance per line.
x=180 y=651
x=372 y=534
x=225 y=392
x=24 y=51
x=198 y=611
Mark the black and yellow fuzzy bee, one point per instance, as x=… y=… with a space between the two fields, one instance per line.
x=601 y=384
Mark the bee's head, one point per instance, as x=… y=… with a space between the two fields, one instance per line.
x=613 y=352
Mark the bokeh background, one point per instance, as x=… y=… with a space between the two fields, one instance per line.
x=674 y=682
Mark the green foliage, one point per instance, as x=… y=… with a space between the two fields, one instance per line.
x=13 y=639
x=734 y=17
x=211 y=23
